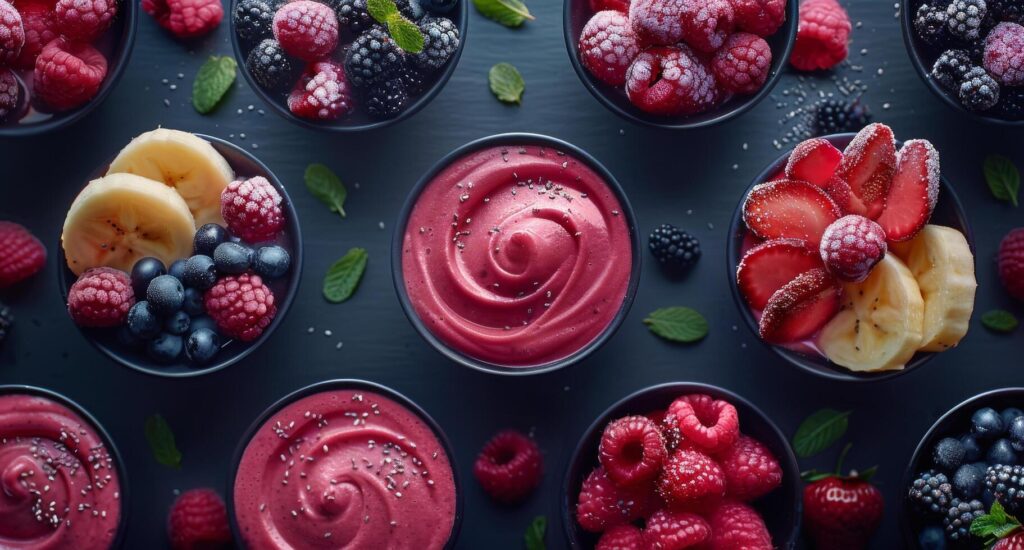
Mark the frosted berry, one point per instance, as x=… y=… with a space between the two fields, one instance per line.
x=670 y=81
x=761 y=17
x=621 y=537
x=241 y=305
x=373 y=57
x=270 y=66
x=12 y=33
x=9 y=92
x=252 y=209
x=1004 y=54
x=851 y=246
x=822 y=35
x=185 y=18
x=307 y=30
x=68 y=74
x=657 y=22
x=198 y=519
x=323 y=93
x=254 y=20
x=84 y=20
x=676 y=530
x=965 y=17
x=608 y=46
x=1011 y=263
x=440 y=41
x=101 y=297
x=40 y=28
x=706 y=23
x=978 y=90
x=21 y=254
x=387 y=99
x=743 y=63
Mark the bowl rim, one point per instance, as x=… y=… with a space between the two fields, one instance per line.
x=737 y=229
x=788 y=461
x=342 y=384
x=283 y=306
x=599 y=89
x=514 y=138
x=335 y=126
x=124 y=496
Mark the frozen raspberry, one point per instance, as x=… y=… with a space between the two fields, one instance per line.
x=1004 y=54
x=822 y=36
x=761 y=17
x=632 y=450
x=608 y=46
x=241 y=306
x=68 y=74
x=706 y=23
x=743 y=63
x=307 y=30
x=751 y=471
x=185 y=18
x=668 y=530
x=736 y=526
x=658 y=22
x=252 y=209
x=851 y=246
x=9 y=92
x=323 y=93
x=621 y=537
x=691 y=480
x=712 y=425
x=84 y=20
x=601 y=504
x=670 y=81
x=101 y=297
x=21 y=254
x=1011 y=263
x=40 y=28
x=198 y=520
x=614 y=5
x=12 y=33
x=509 y=466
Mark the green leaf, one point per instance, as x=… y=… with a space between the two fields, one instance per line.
x=381 y=10
x=534 y=536
x=810 y=476
x=214 y=79
x=510 y=13
x=343 y=277
x=326 y=187
x=994 y=525
x=999 y=320
x=506 y=83
x=161 y=442
x=406 y=34
x=819 y=431
x=678 y=324
x=1002 y=177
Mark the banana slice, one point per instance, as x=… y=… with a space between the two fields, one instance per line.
x=121 y=218
x=941 y=261
x=183 y=161
x=881 y=321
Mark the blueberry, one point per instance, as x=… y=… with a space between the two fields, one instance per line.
x=987 y=424
x=271 y=261
x=193 y=303
x=144 y=271
x=972 y=451
x=1001 y=452
x=165 y=294
x=232 y=257
x=142 y=321
x=932 y=538
x=208 y=237
x=177 y=270
x=1016 y=433
x=948 y=454
x=438 y=6
x=968 y=481
x=177 y=323
x=202 y=345
x=203 y=321
x=165 y=348
x=1009 y=414
x=200 y=272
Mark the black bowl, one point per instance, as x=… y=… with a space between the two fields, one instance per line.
x=575 y=17
x=343 y=384
x=493 y=141
x=781 y=508
x=285 y=288
x=948 y=211
x=116 y=43
x=357 y=121
x=956 y=422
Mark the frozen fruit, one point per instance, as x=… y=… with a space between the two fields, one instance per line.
x=736 y=526
x=270 y=66
x=621 y=537
x=960 y=516
x=200 y=272
x=68 y=74
x=931 y=492
x=789 y=209
x=252 y=209
x=969 y=480
x=509 y=467
x=800 y=308
x=851 y=246
x=12 y=33
x=673 y=247
x=614 y=5
x=271 y=262
x=965 y=18
x=198 y=519
x=601 y=504
x=948 y=454
x=768 y=266
x=323 y=93
x=373 y=57
x=711 y=425
x=185 y=18
x=670 y=530
x=387 y=99
x=307 y=30
x=751 y=470
x=833 y=116
x=144 y=271
x=9 y=92
x=670 y=81
x=631 y=450
x=84 y=20
x=1015 y=541
x=165 y=348
x=868 y=165
x=1011 y=263
x=842 y=512
x=822 y=35
x=814 y=161
x=254 y=20
x=40 y=28
x=761 y=17
x=232 y=258
x=208 y=237
x=101 y=297
x=1006 y=482
x=930 y=23
x=241 y=305
x=165 y=294
x=440 y=41
x=913 y=193
x=691 y=480
x=608 y=46
x=950 y=68
x=706 y=23
x=202 y=344
x=142 y=321
x=978 y=90
x=742 y=64
x=657 y=21
x=352 y=15
x=21 y=254
x=1004 y=54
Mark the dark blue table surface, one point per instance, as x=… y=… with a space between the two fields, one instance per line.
x=693 y=179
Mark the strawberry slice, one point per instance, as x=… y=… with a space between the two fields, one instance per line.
x=800 y=308
x=869 y=162
x=914 y=192
x=814 y=161
x=768 y=266
x=789 y=209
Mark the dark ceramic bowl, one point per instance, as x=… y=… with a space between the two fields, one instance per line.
x=494 y=141
x=116 y=45
x=948 y=211
x=343 y=384
x=781 y=509
x=358 y=120
x=232 y=351
x=956 y=422
x=122 y=473
x=575 y=17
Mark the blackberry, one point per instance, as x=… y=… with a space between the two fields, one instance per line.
x=387 y=99
x=440 y=40
x=931 y=492
x=413 y=79
x=965 y=18
x=834 y=116
x=959 y=517
x=674 y=247
x=1007 y=485
x=930 y=24
x=950 y=68
x=1007 y=10
x=354 y=15
x=254 y=20
x=1011 y=104
x=270 y=67
x=373 y=57
x=979 y=91
x=6 y=321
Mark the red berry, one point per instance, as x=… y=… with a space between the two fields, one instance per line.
x=706 y=23
x=789 y=209
x=712 y=425
x=868 y=165
x=822 y=35
x=691 y=480
x=913 y=193
x=851 y=247
x=307 y=30
x=742 y=64
x=252 y=209
x=631 y=450
x=621 y=537
x=185 y=18
x=68 y=74
x=658 y=22
x=768 y=266
x=198 y=521
x=668 y=530
x=814 y=161
x=601 y=504
x=616 y=5
x=241 y=306
x=842 y=513
x=1011 y=263
x=751 y=470
x=608 y=46
x=800 y=308
x=761 y=17
x=670 y=81
x=1012 y=542
x=509 y=466
x=84 y=20
x=40 y=28
x=101 y=297
x=1004 y=54
x=21 y=254
x=12 y=33
x=736 y=526
x=323 y=93
x=9 y=92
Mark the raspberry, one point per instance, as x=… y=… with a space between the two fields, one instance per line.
x=614 y=5
x=21 y=254
x=387 y=99
x=822 y=35
x=979 y=91
x=1011 y=263
x=965 y=18
x=631 y=450
x=241 y=306
x=621 y=537
x=40 y=28
x=9 y=92
x=743 y=63
x=101 y=297
x=949 y=69
x=509 y=467
x=269 y=66
x=657 y=21
x=68 y=74
x=751 y=470
x=710 y=424
x=1004 y=54
x=691 y=480
x=12 y=33
x=252 y=209
x=667 y=530
x=851 y=246
x=323 y=93
x=307 y=30
x=706 y=23
x=185 y=18
x=373 y=57
x=736 y=526
x=670 y=81
x=608 y=46
x=761 y=17
x=440 y=40
x=198 y=519
x=601 y=504
x=254 y=20
x=84 y=20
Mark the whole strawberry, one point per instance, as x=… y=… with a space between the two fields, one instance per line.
x=198 y=520
x=1012 y=542
x=841 y=513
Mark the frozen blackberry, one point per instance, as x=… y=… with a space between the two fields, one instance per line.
x=959 y=517
x=413 y=79
x=387 y=99
x=270 y=67
x=1011 y=103
x=965 y=18
x=931 y=492
x=254 y=20
x=979 y=91
x=1007 y=485
x=930 y=24
x=354 y=15
x=440 y=40
x=1007 y=10
x=950 y=68
x=834 y=116
x=674 y=247
x=373 y=57
x=6 y=321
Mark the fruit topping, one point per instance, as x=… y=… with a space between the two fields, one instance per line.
x=868 y=165
x=9 y=92
x=761 y=17
x=252 y=209
x=822 y=35
x=254 y=20
x=978 y=90
x=232 y=258
x=673 y=247
x=270 y=66
x=198 y=519
x=307 y=30
x=1011 y=263
x=323 y=93
x=241 y=305
x=737 y=526
x=670 y=81
x=621 y=537
x=768 y=266
x=814 y=161
x=931 y=492
x=165 y=294
x=789 y=209
x=950 y=68
x=691 y=480
x=373 y=57
x=1004 y=54
x=101 y=297
x=202 y=344
x=657 y=21
x=711 y=425
x=21 y=254
x=851 y=247
x=751 y=470
x=631 y=450
x=84 y=20
x=913 y=193
x=614 y=5
x=742 y=64
x=440 y=41
x=965 y=17
x=601 y=504
x=386 y=99
x=12 y=33
x=670 y=530
x=185 y=18
x=608 y=46
x=707 y=23
x=834 y=116
x=509 y=467
x=800 y=308
x=68 y=74
x=271 y=262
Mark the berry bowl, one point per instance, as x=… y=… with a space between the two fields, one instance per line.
x=712 y=107
x=516 y=254
x=344 y=72
x=817 y=323
x=367 y=466
x=154 y=298
x=28 y=113
x=930 y=43
x=774 y=497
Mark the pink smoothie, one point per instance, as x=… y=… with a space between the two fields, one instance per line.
x=345 y=469
x=517 y=256
x=59 y=487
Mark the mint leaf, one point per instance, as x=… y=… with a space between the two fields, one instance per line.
x=534 y=536
x=406 y=34
x=994 y=525
x=343 y=277
x=510 y=13
x=678 y=324
x=506 y=83
x=1002 y=177
x=819 y=431
x=214 y=79
x=999 y=320
x=325 y=186
x=161 y=442
x=381 y=10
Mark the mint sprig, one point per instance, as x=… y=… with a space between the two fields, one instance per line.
x=161 y=442
x=994 y=525
x=405 y=33
x=323 y=184
x=677 y=324
x=343 y=277
x=212 y=82
x=506 y=83
x=819 y=431
x=1002 y=177
x=511 y=13
x=534 y=537
x=999 y=320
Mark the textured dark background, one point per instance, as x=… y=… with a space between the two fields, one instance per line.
x=687 y=178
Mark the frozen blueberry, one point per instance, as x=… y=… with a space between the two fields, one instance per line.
x=1009 y=414
x=143 y=321
x=271 y=261
x=165 y=348
x=207 y=239
x=1016 y=433
x=177 y=270
x=232 y=257
x=987 y=424
x=932 y=538
x=202 y=345
x=200 y=272
x=177 y=323
x=165 y=294
x=144 y=271
x=968 y=481
x=193 y=304
x=1001 y=452
x=972 y=451
x=948 y=454
x=203 y=321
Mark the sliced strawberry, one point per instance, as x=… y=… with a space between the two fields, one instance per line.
x=789 y=209
x=800 y=308
x=814 y=161
x=770 y=265
x=869 y=162
x=915 y=189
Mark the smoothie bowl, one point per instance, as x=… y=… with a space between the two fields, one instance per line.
x=516 y=254
x=344 y=463
x=854 y=264
x=63 y=482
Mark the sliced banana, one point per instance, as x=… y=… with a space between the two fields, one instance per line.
x=183 y=161
x=120 y=218
x=942 y=263
x=881 y=322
